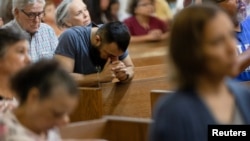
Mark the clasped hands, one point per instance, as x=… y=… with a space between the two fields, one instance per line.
x=114 y=69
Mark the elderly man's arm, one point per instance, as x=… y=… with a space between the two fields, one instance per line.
x=89 y=80
x=243 y=61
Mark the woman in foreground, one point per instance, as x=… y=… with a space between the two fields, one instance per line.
x=203 y=53
x=47 y=95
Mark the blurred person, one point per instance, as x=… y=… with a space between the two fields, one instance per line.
x=50 y=16
x=27 y=19
x=71 y=13
x=95 y=55
x=6 y=11
x=1 y=22
x=241 y=70
x=163 y=10
x=142 y=25
x=111 y=14
x=46 y=99
x=242 y=10
x=14 y=56
x=203 y=54
x=94 y=10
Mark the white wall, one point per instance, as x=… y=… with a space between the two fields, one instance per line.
x=123 y=7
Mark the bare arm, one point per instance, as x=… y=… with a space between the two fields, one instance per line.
x=243 y=61
x=94 y=79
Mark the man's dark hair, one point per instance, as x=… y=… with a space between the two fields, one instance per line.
x=43 y=75
x=9 y=36
x=115 y=32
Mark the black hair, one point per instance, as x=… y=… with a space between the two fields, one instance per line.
x=9 y=36
x=107 y=12
x=43 y=75
x=132 y=6
x=115 y=32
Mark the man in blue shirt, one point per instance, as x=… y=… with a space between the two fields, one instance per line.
x=96 y=54
x=242 y=29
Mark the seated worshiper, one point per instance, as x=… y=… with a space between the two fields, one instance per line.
x=14 y=56
x=50 y=16
x=111 y=13
x=6 y=11
x=72 y=13
x=142 y=25
x=47 y=94
x=27 y=19
x=242 y=29
x=96 y=54
x=202 y=53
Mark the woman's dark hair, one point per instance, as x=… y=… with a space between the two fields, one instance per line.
x=9 y=36
x=43 y=75
x=132 y=5
x=186 y=41
x=107 y=12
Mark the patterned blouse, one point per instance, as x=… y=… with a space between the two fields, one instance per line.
x=12 y=130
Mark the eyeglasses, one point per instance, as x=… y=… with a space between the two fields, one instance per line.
x=145 y=4
x=33 y=16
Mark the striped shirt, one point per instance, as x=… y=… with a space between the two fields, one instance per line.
x=42 y=44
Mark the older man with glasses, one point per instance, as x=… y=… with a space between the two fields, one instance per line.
x=27 y=19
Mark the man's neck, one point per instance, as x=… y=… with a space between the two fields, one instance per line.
x=5 y=87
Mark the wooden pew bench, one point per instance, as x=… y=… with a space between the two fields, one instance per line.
x=131 y=99
x=128 y=99
x=148 y=61
x=109 y=128
x=152 y=71
x=149 y=53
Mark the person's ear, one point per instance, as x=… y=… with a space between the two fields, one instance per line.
x=16 y=12
x=33 y=95
x=98 y=40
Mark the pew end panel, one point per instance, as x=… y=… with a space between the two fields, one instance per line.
x=156 y=95
x=89 y=104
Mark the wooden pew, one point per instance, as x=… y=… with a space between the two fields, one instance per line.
x=131 y=99
x=149 y=53
x=89 y=105
x=151 y=71
x=110 y=128
x=95 y=102
x=156 y=95
x=147 y=61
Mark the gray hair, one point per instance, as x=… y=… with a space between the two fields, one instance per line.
x=21 y=4
x=62 y=13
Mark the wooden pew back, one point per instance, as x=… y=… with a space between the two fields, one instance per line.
x=89 y=105
x=149 y=53
x=156 y=95
x=110 y=128
x=131 y=99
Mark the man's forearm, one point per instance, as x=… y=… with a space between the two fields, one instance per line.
x=86 y=80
